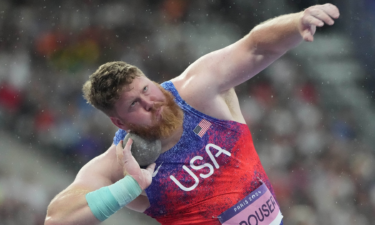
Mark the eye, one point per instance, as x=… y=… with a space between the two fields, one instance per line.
x=145 y=88
x=133 y=103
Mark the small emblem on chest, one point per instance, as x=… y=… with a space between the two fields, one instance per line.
x=202 y=128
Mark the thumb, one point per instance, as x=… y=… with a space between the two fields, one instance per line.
x=127 y=151
x=151 y=168
x=308 y=36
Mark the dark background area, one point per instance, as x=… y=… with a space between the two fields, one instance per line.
x=315 y=146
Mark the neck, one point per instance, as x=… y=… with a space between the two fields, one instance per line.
x=168 y=143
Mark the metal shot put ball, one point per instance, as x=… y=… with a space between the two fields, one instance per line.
x=144 y=151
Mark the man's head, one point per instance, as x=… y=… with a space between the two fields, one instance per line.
x=104 y=87
x=132 y=101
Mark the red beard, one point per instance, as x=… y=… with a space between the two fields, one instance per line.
x=171 y=118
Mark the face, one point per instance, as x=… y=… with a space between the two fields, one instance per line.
x=146 y=109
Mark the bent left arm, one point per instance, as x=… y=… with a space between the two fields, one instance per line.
x=228 y=67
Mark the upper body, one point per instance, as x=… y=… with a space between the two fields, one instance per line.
x=208 y=154
x=207 y=85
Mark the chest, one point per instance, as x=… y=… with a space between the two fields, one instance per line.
x=188 y=172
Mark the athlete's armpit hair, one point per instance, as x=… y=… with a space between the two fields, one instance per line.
x=103 y=88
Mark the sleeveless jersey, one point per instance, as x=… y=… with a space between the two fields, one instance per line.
x=212 y=167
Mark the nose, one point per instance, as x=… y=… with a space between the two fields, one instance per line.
x=147 y=103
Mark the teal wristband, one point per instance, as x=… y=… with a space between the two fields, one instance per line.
x=107 y=200
x=125 y=190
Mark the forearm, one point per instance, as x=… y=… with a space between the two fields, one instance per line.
x=277 y=35
x=70 y=207
x=78 y=206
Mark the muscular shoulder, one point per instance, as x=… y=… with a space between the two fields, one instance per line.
x=207 y=99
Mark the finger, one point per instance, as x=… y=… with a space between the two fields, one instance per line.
x=319 y=14
x=119 y=147
x=119 y=152
x=307 y=36
x=331 y=10
x=311 y=20
x=127 y=153
x=323 y=16
x=151 y=168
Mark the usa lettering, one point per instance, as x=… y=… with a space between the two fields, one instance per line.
x=211 y=169
x=259 y=215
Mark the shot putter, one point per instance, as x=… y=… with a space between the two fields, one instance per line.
x=144 y=151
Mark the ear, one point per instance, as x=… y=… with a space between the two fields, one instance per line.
x=118 y=123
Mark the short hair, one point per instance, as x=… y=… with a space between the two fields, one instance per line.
x=103 y=88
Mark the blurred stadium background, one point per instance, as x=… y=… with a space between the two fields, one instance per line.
x=311 y=113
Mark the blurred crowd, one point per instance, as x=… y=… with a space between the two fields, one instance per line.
x=22 y=199
x=314 y=155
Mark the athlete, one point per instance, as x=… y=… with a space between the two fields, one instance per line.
x=209 y=171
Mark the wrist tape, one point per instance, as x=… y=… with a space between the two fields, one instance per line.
x=107 y=200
